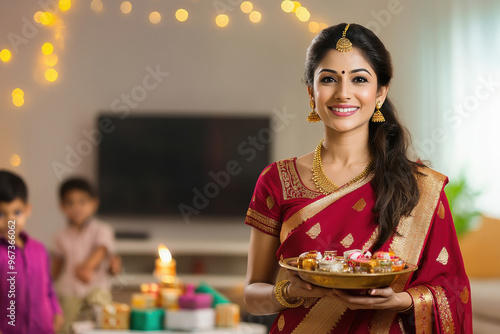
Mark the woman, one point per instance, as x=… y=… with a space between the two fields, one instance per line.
x=357 y=190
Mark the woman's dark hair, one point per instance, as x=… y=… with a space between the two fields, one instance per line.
x=76 y=184
x=394 y=182
x=12 y=187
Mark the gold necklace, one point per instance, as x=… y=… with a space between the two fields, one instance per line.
x=322 y=181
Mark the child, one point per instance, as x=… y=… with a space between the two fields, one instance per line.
x=28 y=303
x=82 y=252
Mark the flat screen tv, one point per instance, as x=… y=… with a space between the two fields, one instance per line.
x=186 y=166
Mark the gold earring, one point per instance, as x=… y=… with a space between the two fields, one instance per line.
x=313 y=116
x=377 y=116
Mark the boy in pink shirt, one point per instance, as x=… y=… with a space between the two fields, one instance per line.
x=28 y=303
x=82 y=250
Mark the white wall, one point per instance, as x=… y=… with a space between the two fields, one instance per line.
x=244 y=68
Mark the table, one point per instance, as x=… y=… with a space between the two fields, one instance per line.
x=243 y=328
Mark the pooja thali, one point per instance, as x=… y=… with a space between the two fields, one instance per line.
x=339 y=280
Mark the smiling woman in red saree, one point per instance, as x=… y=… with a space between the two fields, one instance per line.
x=392 y=204
x=311 y=220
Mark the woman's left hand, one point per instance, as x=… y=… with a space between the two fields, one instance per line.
x=380 y=298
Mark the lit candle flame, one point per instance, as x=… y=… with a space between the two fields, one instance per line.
x=165 y=255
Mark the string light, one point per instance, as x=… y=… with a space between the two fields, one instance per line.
x=296 y=5
x=5 y=55
x=51 y=75
x=47 y=48
x=126 y=7
x=37 y=16
x=246 y=7
x=287 y=6
x=15 y=160
x=96 y=5
x=303 y=14
x=255 y=16
x=18 y=97
x=64 y=5
x=18 y=91
x=313 y=27
x=181 y=15
x=46 y=18
x=222 y=20
x=51 y=60
x=155 y=17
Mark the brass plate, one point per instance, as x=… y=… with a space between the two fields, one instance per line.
x=346 y=280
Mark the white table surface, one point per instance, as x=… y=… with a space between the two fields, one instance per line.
x=243 y=328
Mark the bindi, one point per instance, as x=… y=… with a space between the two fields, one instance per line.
x=343 y=72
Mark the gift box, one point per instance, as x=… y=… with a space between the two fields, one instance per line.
x=147 y=319
x=169 y=298
x=143 y=301
x=227 y=315
x=115 y=316
x=218 y=298
x=191 y=300
x=189 y=320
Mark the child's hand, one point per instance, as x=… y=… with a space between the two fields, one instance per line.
x=58 y=322
x=84 y=273
x=115 y=265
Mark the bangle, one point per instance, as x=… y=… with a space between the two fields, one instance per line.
x=280 y=295
x=406 y=309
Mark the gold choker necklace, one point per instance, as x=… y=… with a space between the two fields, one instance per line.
x=322 y=181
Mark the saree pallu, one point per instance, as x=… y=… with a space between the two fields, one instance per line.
x=304 y=220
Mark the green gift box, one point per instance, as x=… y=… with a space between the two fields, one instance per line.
x=147 y=319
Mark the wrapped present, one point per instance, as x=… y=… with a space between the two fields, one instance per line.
x=218 y=297
x=169 y=298
x=115 y=316
x=147 y=319
x=143 y=301
x=188 y=320
x=227 y=315
x=192 y=300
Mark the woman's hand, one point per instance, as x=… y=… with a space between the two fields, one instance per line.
x=381 y=299
x=300 y=288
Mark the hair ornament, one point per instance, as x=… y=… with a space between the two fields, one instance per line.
x=344 y=44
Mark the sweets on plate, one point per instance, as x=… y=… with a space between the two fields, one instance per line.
x=353 y=261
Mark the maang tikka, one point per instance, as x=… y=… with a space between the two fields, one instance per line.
x=344 y=44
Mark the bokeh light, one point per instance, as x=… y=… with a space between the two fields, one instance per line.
x=47 y=48
x=222 y=20
x=51 y=60
x=303 y=14
x=323 y=26
x=126 y=7
x=51 y=75
x=5 y=55
x=246 y=7
x=296 y=5
x=15 y=160
x=18 y=91
x=18 y=99
x=313 y=27
x=155 y=17
x=37 y=16
x=47 y=18
x=287 y=6
x=64 y=5
x=255 y=16
x=96 y=5
x=181 y=15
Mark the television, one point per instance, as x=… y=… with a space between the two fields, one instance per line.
x=185 y=166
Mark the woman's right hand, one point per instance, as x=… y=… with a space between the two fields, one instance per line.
x=300 y=288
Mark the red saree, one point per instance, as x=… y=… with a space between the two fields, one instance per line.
x=304 y=219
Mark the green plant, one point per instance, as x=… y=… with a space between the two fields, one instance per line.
x=462 y=198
